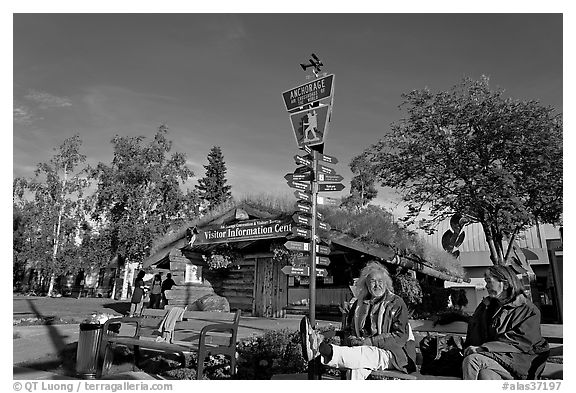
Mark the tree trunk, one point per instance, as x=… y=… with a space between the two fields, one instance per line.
x=494 y=244
x=56 y=241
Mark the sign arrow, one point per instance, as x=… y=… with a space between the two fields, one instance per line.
x=301 y=219
x=298 y=246
x=320 y=249
x=302 y=169
x=331 y=187
x=323 y=225
x=303 y=260
x=302 y=232
x=303 y=161
x=306 y=208
x=326 y=158
x=300 y=186
x=296 y=271
x=325 y=170
x=307 y=176
x=324 y=200
x=321 y=272
x=302 y=195
x=324 y=177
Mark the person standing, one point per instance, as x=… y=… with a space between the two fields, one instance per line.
x=137 y=300
x=155 y=292
x=166 y=286
x=504 y=340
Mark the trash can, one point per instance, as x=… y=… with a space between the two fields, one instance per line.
x=88 y=350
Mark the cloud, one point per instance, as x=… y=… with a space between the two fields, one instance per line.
x=22 y=115
x=47 y=100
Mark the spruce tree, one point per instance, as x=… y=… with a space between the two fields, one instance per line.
x=212 y=187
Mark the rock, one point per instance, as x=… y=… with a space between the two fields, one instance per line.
x=212 y=302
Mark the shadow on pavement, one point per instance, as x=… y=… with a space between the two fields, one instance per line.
x=120 y=307
x=57 y=340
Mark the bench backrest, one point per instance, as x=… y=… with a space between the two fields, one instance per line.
x=208 y=316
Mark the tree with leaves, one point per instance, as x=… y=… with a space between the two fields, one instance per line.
x=139 y=195
x=212 y=187
x=496 y=161
x=52 y=205
x=362 y=185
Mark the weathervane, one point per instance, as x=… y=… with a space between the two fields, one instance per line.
x=314 y=62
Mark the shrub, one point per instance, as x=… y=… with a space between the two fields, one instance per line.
x=275 y=352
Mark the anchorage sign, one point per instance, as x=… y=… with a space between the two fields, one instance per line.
x=310 y=92
x=246 y=230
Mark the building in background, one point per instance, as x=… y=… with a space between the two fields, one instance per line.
x=541 y=247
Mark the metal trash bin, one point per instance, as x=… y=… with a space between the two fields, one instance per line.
x=87 y=354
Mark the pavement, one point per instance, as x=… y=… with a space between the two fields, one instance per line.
x=31 y=343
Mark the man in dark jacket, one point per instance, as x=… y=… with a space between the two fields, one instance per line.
x=504 y=340
x=377 y=334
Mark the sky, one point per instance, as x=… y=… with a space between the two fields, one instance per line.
x=217 y=79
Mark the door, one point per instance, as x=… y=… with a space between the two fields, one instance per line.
x=271 y=289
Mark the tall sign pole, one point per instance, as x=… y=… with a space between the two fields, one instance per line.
x=312 y=285
x=310 y=108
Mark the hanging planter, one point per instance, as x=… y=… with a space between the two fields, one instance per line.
x=221 y=257
x=282 y=255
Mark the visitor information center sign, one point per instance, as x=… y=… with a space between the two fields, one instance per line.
x=245 y=230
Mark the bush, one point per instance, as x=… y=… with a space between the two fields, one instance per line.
x=408 y=288
x=275 y=352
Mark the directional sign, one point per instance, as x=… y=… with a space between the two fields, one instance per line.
x=310 y=126
x=303 y=161
x=299 y=185
x=307 y=176
x=326 y=158
x=320 y=249
x=323 y=261
x=325 y=170
x=302 y=170
x=296 y=270
x=297 y=246
x=305 y=260
x=323 y=225
x=302 y=271
x=301 y=219
x=321 y=272
x=306 y=208
x=324 y=200
x=324 y=177
x=302 y=260
x=302 y=232
x=309 y=92
x=330 y=186
x=302 y=195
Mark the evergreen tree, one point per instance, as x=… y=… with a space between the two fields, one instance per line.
x=212 y=187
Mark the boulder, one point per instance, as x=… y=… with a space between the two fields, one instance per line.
x=212 y=302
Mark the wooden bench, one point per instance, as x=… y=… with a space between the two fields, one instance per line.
x=422 y=328
x=202 y=332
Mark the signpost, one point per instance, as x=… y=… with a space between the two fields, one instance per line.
x=310 y=114
x=310 y=109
